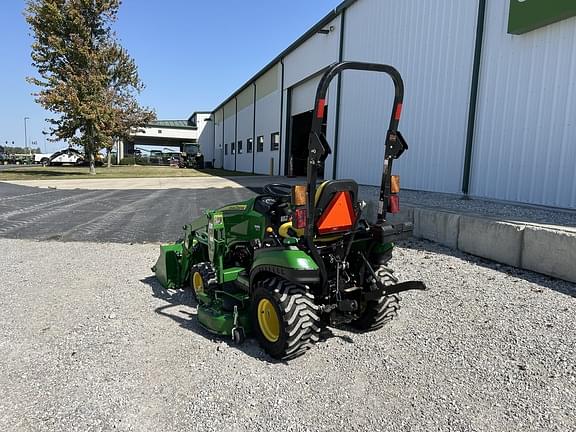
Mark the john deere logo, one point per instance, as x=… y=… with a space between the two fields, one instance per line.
x=528 y=15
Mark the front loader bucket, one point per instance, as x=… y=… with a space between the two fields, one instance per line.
x=167 y=268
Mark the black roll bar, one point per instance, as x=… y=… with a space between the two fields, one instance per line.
x=318 y=148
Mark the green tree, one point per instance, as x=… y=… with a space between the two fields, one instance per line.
x=85 y=76
x=126 y=115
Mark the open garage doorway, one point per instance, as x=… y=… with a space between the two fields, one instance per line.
x=301 y=125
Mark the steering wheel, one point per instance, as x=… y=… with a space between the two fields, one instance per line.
x=278 y=190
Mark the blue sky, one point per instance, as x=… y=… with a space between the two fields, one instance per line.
x=191 y=54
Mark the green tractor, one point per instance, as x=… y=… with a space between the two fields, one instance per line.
x=296 y=259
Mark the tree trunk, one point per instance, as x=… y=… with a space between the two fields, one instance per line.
x=90 y=146
x=92 y=164
x=109 y=156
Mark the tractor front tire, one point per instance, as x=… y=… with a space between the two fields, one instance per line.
x=378 y=313
x=202 y=278
x=285 y=318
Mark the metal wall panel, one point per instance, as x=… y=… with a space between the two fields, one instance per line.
x=230 y=134
x=269 y=82
x=432 y=44
x=303 y=96
x=285 y=125
x=313 y=55
x=267 y=122
x=160 y=132
x=245 y=131
x=245 y=98
x=206 y=136
x=525 y=142
x=230 y=109
x=218 y=143
x=330 y=126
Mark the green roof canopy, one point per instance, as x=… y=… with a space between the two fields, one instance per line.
x=175 y=124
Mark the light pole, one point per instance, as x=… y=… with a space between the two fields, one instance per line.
x=25 y=133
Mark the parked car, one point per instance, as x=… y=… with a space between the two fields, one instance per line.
x=67 y=156
x=42 y=158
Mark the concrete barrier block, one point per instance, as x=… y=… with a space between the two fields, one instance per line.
x=498 y=241
x=406 y=215
x=550 y=252
x=371 y=213
x=437 y=226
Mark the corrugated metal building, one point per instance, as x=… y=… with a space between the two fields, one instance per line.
x=487 y=112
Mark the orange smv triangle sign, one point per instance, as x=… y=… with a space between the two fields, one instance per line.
x=339 y=216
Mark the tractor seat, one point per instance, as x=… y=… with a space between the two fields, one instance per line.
x=335 y=210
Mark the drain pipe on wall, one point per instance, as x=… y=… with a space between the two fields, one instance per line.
x=223 y=145
x=473 y=98
x=338 y=98
x=281 y=120
x=213 y=116
x=253 y=130
x=235 y=131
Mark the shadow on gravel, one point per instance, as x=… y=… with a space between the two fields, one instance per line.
x=188 y=321
x=544 y=281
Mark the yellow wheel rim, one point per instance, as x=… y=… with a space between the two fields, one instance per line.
x=268 y=320
x=197 y=282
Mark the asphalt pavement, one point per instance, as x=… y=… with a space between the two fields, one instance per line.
x=118 y=216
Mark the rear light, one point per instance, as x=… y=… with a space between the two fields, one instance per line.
x=299 y=195
x=395 y=184
x=393 y=204
x=300 y=216
x=394 y=199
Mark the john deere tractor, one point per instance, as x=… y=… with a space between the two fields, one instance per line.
x=296 y=259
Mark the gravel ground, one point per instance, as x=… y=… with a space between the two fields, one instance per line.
x=489 y=348
x=513 y=212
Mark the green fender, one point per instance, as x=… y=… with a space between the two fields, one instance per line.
x=289 y=263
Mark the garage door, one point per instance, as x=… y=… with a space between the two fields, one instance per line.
x=303 y=96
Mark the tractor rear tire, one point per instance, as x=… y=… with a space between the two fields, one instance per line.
x=378 y=313
x=285 y=318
